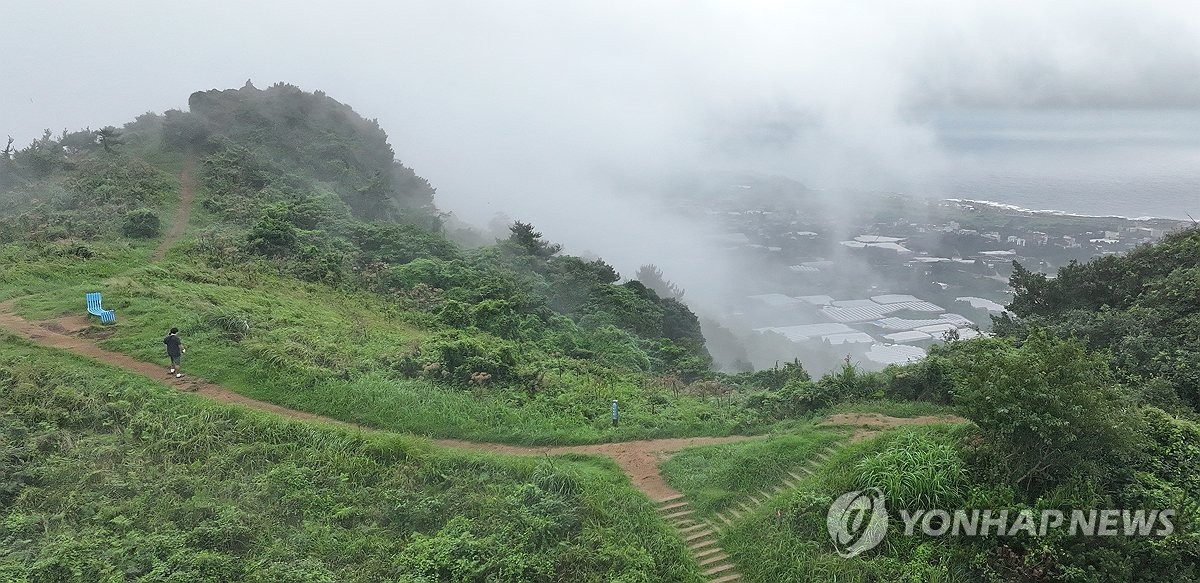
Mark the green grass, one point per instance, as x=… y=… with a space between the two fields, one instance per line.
x=107 y=476
x=332 y=352
x=31 y=268
x=716 y=476
x=786 y=539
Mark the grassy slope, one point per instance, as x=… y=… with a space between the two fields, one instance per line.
x=108 y=476
x=320 y=349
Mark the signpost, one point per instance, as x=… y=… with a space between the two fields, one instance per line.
x=614 y=412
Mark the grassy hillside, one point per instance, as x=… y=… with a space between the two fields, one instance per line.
x=288 y=291
x=109 y=477
x=314 y=274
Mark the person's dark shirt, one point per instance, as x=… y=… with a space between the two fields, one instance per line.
x=173 y=344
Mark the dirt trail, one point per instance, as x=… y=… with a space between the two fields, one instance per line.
x=187 y=192
x=60 y=334
x=639 y=459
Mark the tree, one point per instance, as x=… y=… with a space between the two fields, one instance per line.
x=652 y=277
x=531 y=242
x=1030 y=291
x=108 y=137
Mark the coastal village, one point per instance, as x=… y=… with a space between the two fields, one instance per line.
x=881 y=292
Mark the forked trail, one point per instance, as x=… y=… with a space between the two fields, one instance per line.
x=638 y=459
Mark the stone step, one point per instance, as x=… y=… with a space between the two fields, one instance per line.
x=672 y=506
x=705 y=544
x=680 y=514
x=696 y=536
x=712 y=559
x=726 y=578
x=693 y=528
x=718 y=569
x=710 y=551
x=669 y=499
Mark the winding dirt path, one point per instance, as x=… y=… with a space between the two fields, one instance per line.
x=187 y=193
x=638 y=459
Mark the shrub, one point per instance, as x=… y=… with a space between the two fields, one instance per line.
x=271 y=236
x=141 y=224
x=463 y=354
x=1049 y=409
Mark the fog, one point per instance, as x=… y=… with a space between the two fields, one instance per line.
x=576 y=116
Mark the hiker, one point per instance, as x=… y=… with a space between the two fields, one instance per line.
x=174 y=351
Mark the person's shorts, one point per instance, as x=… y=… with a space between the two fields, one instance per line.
x=174 y=359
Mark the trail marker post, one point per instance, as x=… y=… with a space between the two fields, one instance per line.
x=614 y=413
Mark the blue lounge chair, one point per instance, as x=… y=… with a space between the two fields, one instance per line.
x=94 y=308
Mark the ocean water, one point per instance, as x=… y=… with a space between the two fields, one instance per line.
x=1095 y=162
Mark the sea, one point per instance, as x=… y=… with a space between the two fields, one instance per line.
x=1102 y=162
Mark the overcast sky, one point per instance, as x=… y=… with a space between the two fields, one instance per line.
x=532 y=107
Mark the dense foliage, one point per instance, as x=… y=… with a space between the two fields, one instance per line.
x=51 y=191
x=1143 y=307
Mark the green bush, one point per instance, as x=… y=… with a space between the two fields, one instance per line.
x=141 y=224
x=462 y=354
x=1050 y=409
x=271 y=236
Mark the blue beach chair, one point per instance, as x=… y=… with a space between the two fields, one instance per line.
x=94 y=308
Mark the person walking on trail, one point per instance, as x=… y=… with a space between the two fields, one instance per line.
x=174 y=351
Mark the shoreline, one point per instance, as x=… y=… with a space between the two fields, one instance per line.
x=1056 y=213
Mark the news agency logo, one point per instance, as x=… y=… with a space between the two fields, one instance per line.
x=857 y=522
